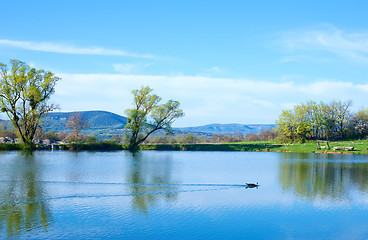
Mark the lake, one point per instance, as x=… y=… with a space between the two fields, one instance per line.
x=183 y=195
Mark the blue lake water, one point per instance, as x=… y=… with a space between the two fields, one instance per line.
x=183 y=195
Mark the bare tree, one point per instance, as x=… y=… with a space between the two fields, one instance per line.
x=76 y=123
x=343 y=115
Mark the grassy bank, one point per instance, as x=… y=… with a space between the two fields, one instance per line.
x=10 y=146
x=360 y=146
x=99 y=146
x=260 y=146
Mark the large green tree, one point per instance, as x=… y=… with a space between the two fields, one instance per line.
x=24 y=97
x=148 y=116
x=315 y=120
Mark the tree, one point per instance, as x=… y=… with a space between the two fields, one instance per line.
x=316 y=120
x=286 y=124
x=188 y=138
x=91 y=139
x=358 y=124
x=252 y=137
x=343 y=114
x=148 y=116
x=267 y=135
x=238 y=136
x=8 y=133
x=76 y=123
x=24 y=95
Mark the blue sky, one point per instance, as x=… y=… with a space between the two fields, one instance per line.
x=225 y=61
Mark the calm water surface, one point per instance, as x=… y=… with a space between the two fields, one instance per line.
x=183 y=195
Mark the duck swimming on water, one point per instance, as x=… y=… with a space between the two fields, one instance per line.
x=251 y=185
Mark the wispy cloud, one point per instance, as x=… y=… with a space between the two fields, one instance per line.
x=349 y=45
x=130 y=67
x=213 y=71
x=70 y=49
x=124 y=67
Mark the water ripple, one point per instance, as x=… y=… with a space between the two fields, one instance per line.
x=126 y=195
x=133 y=184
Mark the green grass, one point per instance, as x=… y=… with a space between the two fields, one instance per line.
x=360 y=147
x=10 y=146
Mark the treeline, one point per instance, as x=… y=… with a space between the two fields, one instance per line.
x=10 y=136
x=330 y=121
x=264 y=135
x=64 y=137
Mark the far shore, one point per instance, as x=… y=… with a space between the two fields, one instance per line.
x=358 y=146
x=355 y=147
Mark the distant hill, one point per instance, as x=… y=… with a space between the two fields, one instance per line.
x=103 y=124
x=217 y=128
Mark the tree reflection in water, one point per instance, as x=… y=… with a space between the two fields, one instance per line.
x=150 y=171
x=321 y=176
x=20 y=208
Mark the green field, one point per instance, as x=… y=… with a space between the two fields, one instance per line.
x=360 y=147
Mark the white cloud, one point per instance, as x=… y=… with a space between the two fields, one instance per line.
x=126 y=67
x=204 y=99
x=350 y=45
x=69 y=49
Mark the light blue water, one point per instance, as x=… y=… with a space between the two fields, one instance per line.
x=183 y=195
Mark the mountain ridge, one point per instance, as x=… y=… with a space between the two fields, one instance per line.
x=229 y=128
x=104 y=124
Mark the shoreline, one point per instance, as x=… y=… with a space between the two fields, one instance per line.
x=360 y=147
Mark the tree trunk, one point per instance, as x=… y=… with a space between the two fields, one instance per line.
x=28 y=144
x=133 y=143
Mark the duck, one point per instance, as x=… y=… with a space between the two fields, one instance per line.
x=251 y=185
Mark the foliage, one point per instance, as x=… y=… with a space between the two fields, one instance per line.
x=188 y=138
x=255 y=146
x=50 y=135
x=91 y=139
x=9 y=133
x=24 y=95
x=268 y=135
x=221 y=138
x=358 y=125
x=10 y=146
x=264 y=135
x=148 y=116
x=252 y=137
x=315 y=121
x=310 y=146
